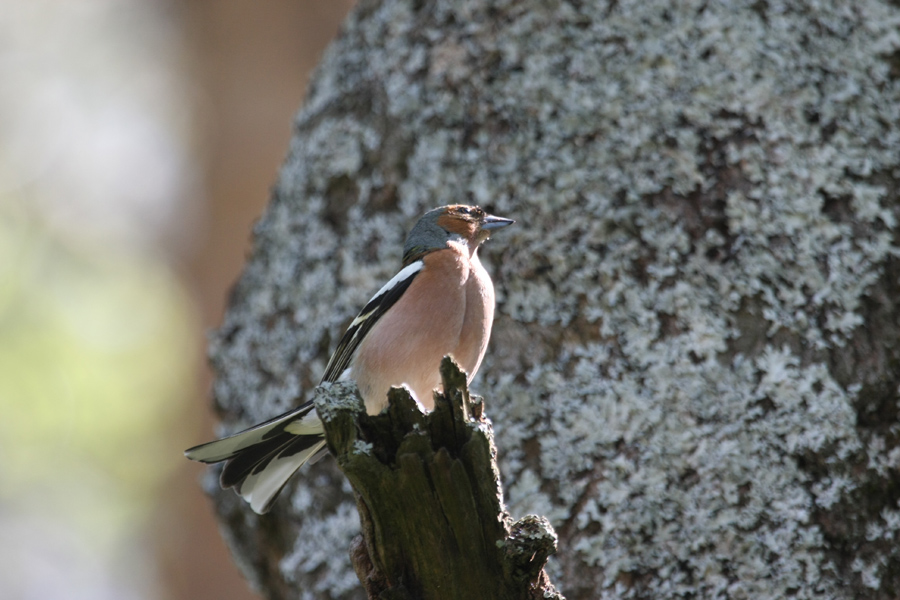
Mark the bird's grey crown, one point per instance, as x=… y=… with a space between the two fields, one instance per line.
x=426 y=234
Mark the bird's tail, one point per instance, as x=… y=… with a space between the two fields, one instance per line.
x=261 y=459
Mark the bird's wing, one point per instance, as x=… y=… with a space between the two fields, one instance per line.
x=386 y=297
x=262 y=459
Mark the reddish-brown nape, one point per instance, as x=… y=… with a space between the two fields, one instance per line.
x=463 y=220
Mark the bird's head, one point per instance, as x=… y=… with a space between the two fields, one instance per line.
x=458 y=223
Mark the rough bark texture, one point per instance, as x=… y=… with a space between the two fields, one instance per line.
x=427 y=486
x=696 y=360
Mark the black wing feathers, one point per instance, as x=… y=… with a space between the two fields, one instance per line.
x=250 y=453
x=357 y=331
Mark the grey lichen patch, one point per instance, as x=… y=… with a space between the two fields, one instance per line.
x=686 y=374
x=334 y=398
x=311 y=563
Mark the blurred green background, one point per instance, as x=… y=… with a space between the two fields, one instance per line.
x=138 y=141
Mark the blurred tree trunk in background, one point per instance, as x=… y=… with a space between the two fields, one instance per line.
x=251 y=61
x=695 y=366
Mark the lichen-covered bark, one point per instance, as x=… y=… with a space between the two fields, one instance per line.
x=695 y=365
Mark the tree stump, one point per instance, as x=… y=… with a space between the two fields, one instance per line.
x=427 y=486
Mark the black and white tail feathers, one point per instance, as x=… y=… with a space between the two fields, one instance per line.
x=261 y=459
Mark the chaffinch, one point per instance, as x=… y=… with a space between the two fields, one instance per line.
x=441 y=302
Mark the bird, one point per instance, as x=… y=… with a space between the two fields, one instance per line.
x=440 y=303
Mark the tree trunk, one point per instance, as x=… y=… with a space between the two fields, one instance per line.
x=695 y=367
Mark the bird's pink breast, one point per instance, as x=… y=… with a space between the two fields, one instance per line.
x=448 y=309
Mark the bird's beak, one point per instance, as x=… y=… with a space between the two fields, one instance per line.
x=491 y=222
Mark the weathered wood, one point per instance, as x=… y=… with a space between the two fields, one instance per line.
x=430 y=499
